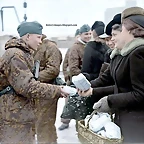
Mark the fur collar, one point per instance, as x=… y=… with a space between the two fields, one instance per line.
x=127 y=48
x=81 y=41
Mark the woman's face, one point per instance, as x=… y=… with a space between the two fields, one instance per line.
x=109 y=42
x=116 y=38
x=121 y=38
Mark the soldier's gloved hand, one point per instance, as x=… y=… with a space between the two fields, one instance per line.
x=63 y=94
x=102 y=105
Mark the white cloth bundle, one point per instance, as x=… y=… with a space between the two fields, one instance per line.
x=97 y=124
x=102 y=125
x=112 y=130
x=71 y=91
x=95 y=117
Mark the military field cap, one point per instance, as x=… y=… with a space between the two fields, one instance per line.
x=29 y=27
x=132 y=11
x=77 y=32
x=84 y=28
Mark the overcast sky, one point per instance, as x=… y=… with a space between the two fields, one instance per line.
x=57 y=12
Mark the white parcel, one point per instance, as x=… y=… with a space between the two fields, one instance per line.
x=70 y=90
x=81 y=82
x=98 y=124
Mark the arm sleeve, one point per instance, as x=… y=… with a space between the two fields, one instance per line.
x=135 y=97
x=73 y=61
x=100 y=92
x=104 y=80
x=23 y=82
x=65 y=66
x=52 y=68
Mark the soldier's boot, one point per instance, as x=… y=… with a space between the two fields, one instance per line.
x=64 y=126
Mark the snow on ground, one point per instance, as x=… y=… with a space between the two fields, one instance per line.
x=68 y=135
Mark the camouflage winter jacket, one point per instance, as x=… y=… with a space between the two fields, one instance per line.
x=50 y=60
x=16 y=67
x=75 y=58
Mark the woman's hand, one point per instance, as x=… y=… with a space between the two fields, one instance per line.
x=85 y=93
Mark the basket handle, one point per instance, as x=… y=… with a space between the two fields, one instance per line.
x=94 y=112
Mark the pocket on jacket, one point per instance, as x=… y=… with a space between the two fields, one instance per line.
x=19 y=110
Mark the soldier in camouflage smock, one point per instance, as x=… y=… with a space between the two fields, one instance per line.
x=18 y=110
x=50 y=60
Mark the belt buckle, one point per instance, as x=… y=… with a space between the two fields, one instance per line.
x=8 y=88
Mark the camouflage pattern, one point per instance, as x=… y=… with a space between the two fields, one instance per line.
x=50 y=59
x=45 y=125
x=18 y=109
x=16 y=134
x=75 y=58
x=66 y=66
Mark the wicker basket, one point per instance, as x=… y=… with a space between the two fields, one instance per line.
x=87 y=136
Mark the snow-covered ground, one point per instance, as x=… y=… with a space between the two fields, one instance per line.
x=68 y=135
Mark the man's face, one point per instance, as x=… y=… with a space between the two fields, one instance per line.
x=34 y=40
x=86 y=36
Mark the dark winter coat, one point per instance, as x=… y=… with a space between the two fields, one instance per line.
x=126 y=97
x=93 y=59
x=107 y=55
x=106 y=61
